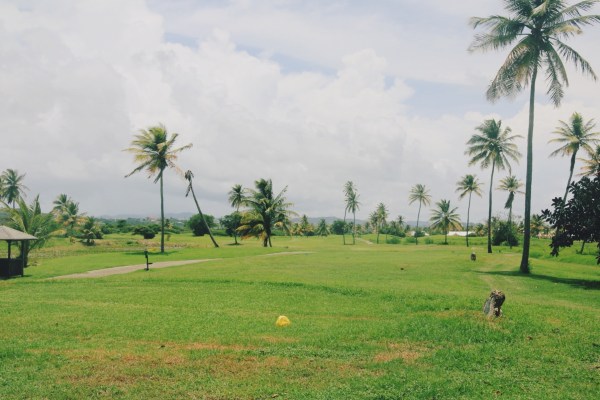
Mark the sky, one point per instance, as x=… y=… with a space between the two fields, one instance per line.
x=310 y=94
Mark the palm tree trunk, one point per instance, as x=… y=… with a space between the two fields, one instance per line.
x=524 y=267
x=238 y=225
x=417 y=228
x=162 y=215
x=570 y=177
x=489 y=243
x=468 y=212
x=202 y=216
x=344 y=228
x=510 y=225
x=354 y=228
x=582 y=246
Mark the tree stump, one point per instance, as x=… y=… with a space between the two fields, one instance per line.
x=473 y=256
x=493 y=304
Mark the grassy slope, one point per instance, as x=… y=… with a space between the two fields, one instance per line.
x=368 y=321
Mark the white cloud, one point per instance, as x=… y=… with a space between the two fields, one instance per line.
x=81 y=78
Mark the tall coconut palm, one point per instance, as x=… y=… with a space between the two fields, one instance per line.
x=492 y=147
x=353 y=205
x=348 y=194
x=445 y=218
x=381 y=217
x=12 y=186
x=468 y=185
x=573 y=136
x=265 y=212
x=512 y=185
x=155 y=151
x=236 y=199
x=421 y=194
x=591 y=166
x=190 y=189
x=537 y=29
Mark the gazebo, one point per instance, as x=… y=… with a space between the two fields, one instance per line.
x=12 y=267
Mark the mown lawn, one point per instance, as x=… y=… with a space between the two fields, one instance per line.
x=368 y=322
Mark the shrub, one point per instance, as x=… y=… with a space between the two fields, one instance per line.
x=504 y=233
x=393 y=240
x=147 y=231
x=197 y=225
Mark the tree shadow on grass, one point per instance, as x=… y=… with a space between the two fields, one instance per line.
x=577 y=283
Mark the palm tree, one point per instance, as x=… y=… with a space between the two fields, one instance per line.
x=322 y=229
x=381 y=217
x=468 y=184
x=12 y=186
x=236 y=197
x=190 y=189
x=60 y=204
x=154 y=150
x=512 y=185
x=348 y=194
x=445 y=218
x=70 y=217
x=538 y=28
x=265 y=212
x=573 y=136
x=30 y=219
x=591 y=167
x=353 y=205
x=421 y=194
x=493 y=146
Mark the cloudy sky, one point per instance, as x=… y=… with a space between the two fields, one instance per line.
x=309 y=93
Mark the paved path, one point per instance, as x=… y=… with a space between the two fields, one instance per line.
x=98 y=273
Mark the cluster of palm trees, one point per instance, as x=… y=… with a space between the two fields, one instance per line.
x=538 y=30
x=264 y=211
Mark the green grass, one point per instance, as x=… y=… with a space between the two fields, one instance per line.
x=368 y=322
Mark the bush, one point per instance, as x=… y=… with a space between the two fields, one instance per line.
x=429 y=240
x=147 y=231
x=393 y=240
x=197 y=225
x=410 y=239
x=504 y=233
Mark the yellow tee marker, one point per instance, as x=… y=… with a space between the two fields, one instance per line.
x=282 y=321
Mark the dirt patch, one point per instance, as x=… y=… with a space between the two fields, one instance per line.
x=407 y=352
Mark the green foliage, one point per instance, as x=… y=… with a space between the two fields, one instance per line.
x=445 y=218
x=30 y=219
x=338 y=227
x=197 y=225
x=231 y=222
x=579 y=219
x=147 y=231
x=393 y=240
x=504 y=233
x=11 y=186
x=265 y=212
x=90 y=231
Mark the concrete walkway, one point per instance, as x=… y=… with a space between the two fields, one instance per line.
x=98 y=273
